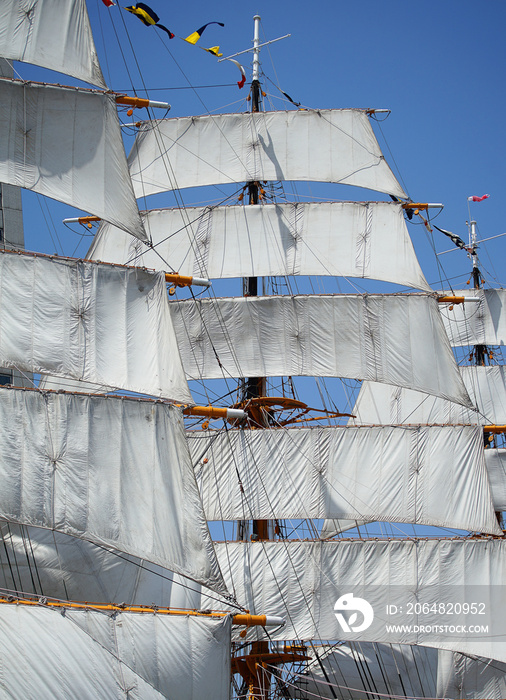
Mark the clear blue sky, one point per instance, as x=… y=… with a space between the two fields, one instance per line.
x=439 y=66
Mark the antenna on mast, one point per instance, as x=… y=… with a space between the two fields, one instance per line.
x=255 y=78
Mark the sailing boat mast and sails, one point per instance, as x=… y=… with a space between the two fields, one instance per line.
x=115 y=505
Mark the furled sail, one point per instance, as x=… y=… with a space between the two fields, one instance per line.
x=395 y=339
x=324 y=145
x=66 y=144
x=76 y=319
x=394 y=474
x=52 y=34
x=111 y=470
x=94 y=654
x=48 y=562
x=460 y=676
x=352 y=239
x=308 y=578
x=363 y=669
x=482 y=323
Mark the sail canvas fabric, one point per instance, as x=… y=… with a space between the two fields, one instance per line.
x=495 y=460
x=111 y=470
x=477 y=323
x=486 y=386
x=101 y=655
x=54 y=34
x=394 y=474
x=303 y=580
x=393 y=339
x=467 y=677
x=495 y=463
x=332 y=527
x=325 y=145
x=352 y=239
x=66 y=144
x=70 y=568
x=77 y=319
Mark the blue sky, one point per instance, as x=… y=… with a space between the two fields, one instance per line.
x=439 y=66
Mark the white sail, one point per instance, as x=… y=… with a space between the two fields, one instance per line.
x=394 y=339
x=304 y=580
x=486 y=386
x=332 y=527
x=54 y=34
x=66 y=144
x=363 y=669
x=48 y=562
x=495 y=460
x=110 y=470
x=474 y=323
x=77 y=319
x=468 y=677
x=326 y=145
x=388 y=405
x=352 y=239
x=89 y=654
x=394 y=474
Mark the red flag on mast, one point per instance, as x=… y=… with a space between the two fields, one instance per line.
x=474 y=198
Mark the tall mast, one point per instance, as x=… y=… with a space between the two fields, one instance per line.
x=254 y=387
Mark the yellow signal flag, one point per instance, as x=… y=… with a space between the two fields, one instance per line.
x=193 y=38
x=215 y=50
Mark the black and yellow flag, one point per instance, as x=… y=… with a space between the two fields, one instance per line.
x=148 y=17
x=193 y=38
x=215 y=50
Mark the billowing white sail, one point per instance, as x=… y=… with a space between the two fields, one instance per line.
x=91 y=654
x=474 y=323
x=98 y=323
x=110 y=470
x=51 y=563
x=304 y=581
x=460 y=676
x=363 y=669
x=394 y=339
x=352 y=239
x=323 y=145
x=66 y=144
x=54 y=34
x=394 y=474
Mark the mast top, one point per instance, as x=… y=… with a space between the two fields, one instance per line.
x=256 y=49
